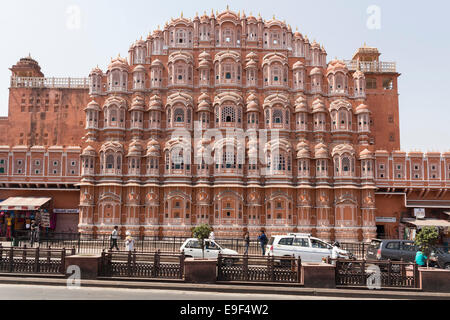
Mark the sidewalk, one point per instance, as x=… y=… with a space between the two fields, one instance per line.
x=226 y=288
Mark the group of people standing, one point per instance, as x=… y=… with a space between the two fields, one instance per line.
x=129 y=240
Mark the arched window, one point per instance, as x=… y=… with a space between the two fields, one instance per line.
x=345 y=165
x=228 y=114
x=178 y=115
x=110 y=161
x=277 y=116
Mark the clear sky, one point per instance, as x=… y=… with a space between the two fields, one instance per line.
x=70 y=37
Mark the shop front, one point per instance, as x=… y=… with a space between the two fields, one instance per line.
x=17 y=214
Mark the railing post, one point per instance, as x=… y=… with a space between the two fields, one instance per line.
x=134 y=262
x=36 y=261
x=63 y=261
x=73 y=251
x=416 y=276
x=219 y=266
x=272 y=268
x=363 y=272
x=389 y=272
x=245 y=268
x=182 y=265
x=24 y=253
x=156 y=264
x=299 y=269
x=11 y=259
x=79 y=244
x=129 y=264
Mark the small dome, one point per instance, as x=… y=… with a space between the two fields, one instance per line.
x=139 y=68
x=204 y=55
x=155 y=103
x=321 y=151
x=251 y=64
x=301 y=104
x=315 y=45
x=362 y=108
x=298 y=65
x=315 y=71
x=138 y=103
x=204 y=64
x=96 y=71
x=157 y=63
x=118 y=63
x=358 y=74
x=203 y=106
x=93 y=105
x=251 y=56
x=89 y=151
x=318 y=106
x=203 y=96
x=365 y=154
x=337 y=65
x=252 y=106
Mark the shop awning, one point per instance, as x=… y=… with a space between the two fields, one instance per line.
x=428 y=222
x=19 y=203
x=443 y=204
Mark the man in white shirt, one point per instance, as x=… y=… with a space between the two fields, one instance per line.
x=114 y=237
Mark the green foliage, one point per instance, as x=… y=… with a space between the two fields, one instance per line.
x=426 y=239
x=202 y=232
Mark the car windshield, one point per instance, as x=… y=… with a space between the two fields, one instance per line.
x=318 y=244
x=211 y=245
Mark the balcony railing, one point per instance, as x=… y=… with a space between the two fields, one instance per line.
x=61 y=83
x=374 y=66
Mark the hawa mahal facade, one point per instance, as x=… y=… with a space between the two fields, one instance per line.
x=224 y=119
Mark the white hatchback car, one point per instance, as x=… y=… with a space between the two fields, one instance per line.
x=308 y=248
x=193 y=248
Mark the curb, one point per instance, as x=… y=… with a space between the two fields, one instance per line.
x=231 y=288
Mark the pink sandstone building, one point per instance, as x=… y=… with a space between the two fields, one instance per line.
x=224 y=119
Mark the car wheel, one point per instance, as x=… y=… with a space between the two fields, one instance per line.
x=447 y=266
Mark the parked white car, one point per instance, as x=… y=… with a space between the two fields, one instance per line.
x=308 y=248
x=193 y=248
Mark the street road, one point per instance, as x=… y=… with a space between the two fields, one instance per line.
x=34 y=292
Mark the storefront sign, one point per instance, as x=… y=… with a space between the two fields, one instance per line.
x=419 y=213
x=386 y=219
x=66 y=210
x=45 y=219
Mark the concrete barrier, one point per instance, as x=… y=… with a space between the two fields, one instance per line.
x=89 y=265
x=200 y=270
x=434 y=280
x=318 y=275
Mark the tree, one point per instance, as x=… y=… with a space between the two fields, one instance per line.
x=202 y=232
x=426 y=239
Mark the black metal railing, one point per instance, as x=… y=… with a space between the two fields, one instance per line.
x=247 y=268
x=33 y=260
x=382 y=274
x=142 y=265
x=95 y=243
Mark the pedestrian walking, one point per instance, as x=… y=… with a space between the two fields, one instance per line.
x=34 y=232
x=247 y=242
x=262 y=238
x=129 y=242
x=114 y=237
x=212 y=237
